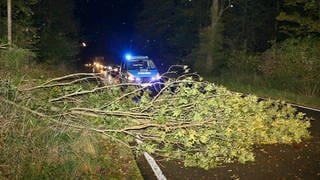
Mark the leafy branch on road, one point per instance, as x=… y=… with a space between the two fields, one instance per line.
x=190 y=120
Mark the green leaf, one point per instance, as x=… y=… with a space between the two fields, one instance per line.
x=197 y=117
x=177 y=112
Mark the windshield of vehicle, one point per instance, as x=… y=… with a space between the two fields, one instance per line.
x=141 y=64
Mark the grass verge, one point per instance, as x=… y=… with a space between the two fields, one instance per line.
x=33 y=148
x=267 y=92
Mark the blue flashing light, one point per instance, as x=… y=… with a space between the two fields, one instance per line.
x=128 y=56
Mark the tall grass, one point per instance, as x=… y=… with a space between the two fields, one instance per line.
x=289 y=70
x=32 y=147
x=262 y=87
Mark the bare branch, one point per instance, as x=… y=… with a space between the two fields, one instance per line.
x=90 y=91
x=3 y=46
x=23 y=108
x=59 y=84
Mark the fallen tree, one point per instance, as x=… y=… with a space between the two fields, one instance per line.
x=188 y=119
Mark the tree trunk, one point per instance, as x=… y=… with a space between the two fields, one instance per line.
x=275 y=33
x=215 y=15
x=244 y=23
x=9 y=14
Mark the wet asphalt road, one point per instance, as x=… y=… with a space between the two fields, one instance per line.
x=297 y=161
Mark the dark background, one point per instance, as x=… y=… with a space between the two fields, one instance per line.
x=107 y=26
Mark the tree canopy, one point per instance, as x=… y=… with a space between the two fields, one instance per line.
x=170 y=28
x=300 y=17
x=25 y=33
x=47 y=27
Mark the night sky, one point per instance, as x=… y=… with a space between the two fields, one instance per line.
x=107 y=26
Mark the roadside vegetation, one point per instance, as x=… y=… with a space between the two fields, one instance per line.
x=45 y=45
x=287 y=71
x=34 y=146
x=268 y=48
x=284 y=64
x=70 y=126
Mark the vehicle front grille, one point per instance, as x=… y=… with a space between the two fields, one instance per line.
x=145 y=80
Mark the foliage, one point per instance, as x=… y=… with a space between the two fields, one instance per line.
x=46 y=27
x=24 y=31
x=300 y=17
x=57 y=31
x=250 y=25
x=210 y=55
x=170 y=27
x=219 y=126
x=57 y=49
x=235 y=26
x=34 y=147
x=15 y=58
x=295 y=65
x=262 y=87
x=193 y=121
x=241 y=61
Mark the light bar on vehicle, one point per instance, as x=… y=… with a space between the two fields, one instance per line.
x=139 y=57
x=129 y=57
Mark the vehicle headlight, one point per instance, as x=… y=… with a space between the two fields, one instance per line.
x=157 y=77
x=130 y=77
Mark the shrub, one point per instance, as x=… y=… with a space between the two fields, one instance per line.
x=295 y=65
x=243 y=62
x=16 y=58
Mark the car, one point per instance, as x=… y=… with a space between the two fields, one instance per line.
x=139 y=70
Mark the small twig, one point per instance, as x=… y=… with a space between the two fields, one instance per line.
x=123 y=96
x=162 y=90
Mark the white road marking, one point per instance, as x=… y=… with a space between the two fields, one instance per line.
x=305 y=107
x=296 y=105
x=155 y=167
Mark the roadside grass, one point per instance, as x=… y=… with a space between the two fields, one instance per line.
x=32 y=148
x=263 y=89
